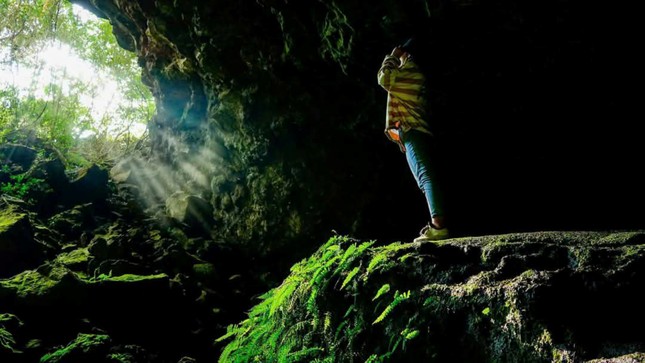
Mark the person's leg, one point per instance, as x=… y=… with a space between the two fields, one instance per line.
x=419 y=155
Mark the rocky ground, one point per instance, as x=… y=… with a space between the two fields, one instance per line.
x=88 y=275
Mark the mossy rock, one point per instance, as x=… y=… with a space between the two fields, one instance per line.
x=20 y=155
x=18 y=250
x=76 y=260
x=513 y=298
x=47 y=285
x=628 y=358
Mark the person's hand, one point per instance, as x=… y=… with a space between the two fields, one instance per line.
x=397 y=52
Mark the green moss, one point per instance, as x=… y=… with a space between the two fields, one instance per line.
x=121 y=358
x=74 y=258
x=204 y=269
x=29 y=283
x=9 y=217
x=622 y=238
x=136 y=278
x=630 y=251
x=84 y=345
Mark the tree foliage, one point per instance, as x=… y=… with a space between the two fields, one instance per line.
x=72 y=112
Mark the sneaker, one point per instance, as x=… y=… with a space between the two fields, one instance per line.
x=429 y=233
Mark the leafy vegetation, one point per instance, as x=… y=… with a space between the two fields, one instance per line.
x=301 y=320
x=20 y=185
x=71 y=110
x=83 y=345
x=7 y=340
x=356 y=302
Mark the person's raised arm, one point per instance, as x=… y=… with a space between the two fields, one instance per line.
x=389 y=69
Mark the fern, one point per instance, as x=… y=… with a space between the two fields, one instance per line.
x=364 y=246
x=341 y=329
x=373 y=359
x=294 y=330
x=405 y=257
x=231 y=330
x=398 y=298
x=297 y=322
x=349 y=277
x=311 y=302
x=300 y=355
x=7 y=340
x=383 y=290
x=282 y=294
x=410 y=334
x=376 y=261
x=327 y=322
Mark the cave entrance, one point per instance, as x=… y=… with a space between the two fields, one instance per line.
x=65 y=80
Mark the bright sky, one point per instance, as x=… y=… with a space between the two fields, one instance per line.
x=59 y=59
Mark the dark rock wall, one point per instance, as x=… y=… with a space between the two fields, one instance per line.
x=270 y=110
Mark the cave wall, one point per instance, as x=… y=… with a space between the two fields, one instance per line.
x=270 y=110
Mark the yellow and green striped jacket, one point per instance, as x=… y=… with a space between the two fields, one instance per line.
x=406 y=104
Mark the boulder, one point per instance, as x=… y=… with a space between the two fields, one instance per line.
x=91 y=185
x=103 y=247
x=525 y=297
x=191 y=210
x=53 y=172
x=18 y=250
x=76 y=260
x=73 y=222
x=117 y=268
x=20 y=155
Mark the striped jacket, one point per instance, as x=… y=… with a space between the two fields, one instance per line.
x=406 y=103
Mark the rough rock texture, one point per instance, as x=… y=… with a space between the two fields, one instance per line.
x=270 y=110
x=20 y=155
x=533 y=297
x=103 y=282
x=18 y=250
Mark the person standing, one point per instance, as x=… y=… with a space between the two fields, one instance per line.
x=406 y=124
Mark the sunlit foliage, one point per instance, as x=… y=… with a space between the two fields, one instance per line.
x=298 y=322
x=70 y=110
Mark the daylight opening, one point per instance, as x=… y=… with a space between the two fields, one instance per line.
x=64 y=78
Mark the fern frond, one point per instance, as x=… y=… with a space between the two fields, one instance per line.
x=383 y=290
x=349 y=277
x=347 y=257
x=300 y=355
x=376 y=261
x=281 y=295
x=398 y=298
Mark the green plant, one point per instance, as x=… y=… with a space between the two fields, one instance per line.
x=21 y=185
x=325 y=310
x=64 y=111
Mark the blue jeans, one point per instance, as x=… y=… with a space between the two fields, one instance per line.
x=419 y=153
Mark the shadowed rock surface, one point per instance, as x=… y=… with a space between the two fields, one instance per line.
x=270 y=111
x=268 y=135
